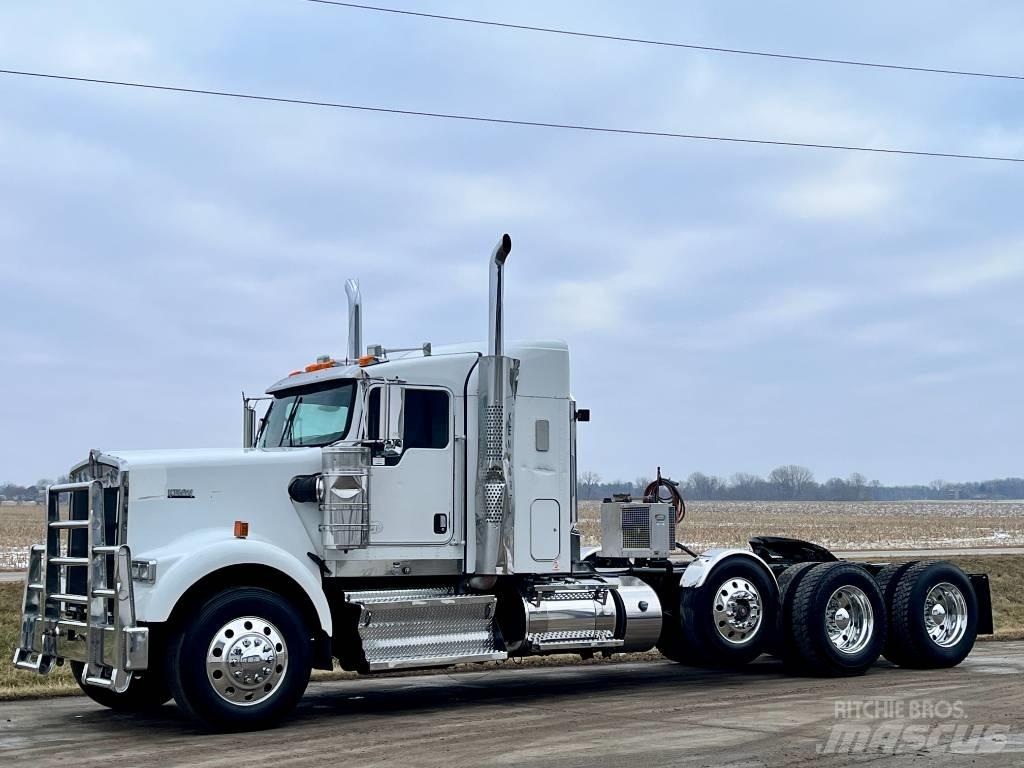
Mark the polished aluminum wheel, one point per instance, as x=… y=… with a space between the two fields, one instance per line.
x=246 y=661
x=849 y=619
x=945 y=615
x=737 y=611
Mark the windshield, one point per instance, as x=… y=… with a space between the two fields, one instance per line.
x=318 y=414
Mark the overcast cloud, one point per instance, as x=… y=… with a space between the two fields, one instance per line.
x=728 y=307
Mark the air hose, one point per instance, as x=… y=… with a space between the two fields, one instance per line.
x=675 y=498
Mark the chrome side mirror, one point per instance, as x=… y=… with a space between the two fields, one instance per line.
x=251 y=426
x=393 y=418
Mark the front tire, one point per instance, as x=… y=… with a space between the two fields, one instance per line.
x=243 y=663
x=730 y=619
x=146 y=691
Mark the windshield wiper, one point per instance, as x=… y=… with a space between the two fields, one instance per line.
x=288 y=424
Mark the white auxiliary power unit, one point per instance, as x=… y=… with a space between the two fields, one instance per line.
x=637 y=529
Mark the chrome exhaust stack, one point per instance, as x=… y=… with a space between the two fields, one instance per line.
x=496 y=284
x=355 y=320
x=496 y=386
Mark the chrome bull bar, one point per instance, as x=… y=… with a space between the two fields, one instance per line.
x=98 y=627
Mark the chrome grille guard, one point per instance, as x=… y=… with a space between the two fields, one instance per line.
x=98 y=627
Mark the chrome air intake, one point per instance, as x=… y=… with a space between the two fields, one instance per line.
x=345 y=497
x=496 y=395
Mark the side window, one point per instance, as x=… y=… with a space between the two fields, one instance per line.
x=426 y=419
x=373 y=415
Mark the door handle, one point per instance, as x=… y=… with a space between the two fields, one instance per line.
x=440 y=523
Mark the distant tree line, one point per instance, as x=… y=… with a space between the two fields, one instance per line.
x=792 y=482
x=27 y=494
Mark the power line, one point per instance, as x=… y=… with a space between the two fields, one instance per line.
x=508 y=121
x=668 y=44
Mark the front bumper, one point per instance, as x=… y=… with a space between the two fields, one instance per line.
x=79 y=602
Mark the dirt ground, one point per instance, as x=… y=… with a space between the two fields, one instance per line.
x=649 y=714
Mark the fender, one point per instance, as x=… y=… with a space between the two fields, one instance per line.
x=696 y=573
x=192 y=557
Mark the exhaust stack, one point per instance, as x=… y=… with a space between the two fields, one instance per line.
x=355 y=320
x=496 y=375
x=496 y=340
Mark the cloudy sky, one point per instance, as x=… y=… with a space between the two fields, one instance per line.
x=729 y=307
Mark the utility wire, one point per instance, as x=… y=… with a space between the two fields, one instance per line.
x=668 y=44
x=506 y=121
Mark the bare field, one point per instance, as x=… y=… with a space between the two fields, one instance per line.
x=837 y=525
x=841 y=525
x=20 y=526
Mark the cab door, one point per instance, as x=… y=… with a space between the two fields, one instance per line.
x=412 y=490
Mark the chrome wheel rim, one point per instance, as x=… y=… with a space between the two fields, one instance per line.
x=247 y=661
x=849 y=620
x=945 y=615
x=737 y=611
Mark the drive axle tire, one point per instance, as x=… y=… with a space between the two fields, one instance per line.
x=787 y=588
x=837 y=621
x=146 y=691
x=934 y=616
x=243 y=662
x=730 y=619
x=887 y=579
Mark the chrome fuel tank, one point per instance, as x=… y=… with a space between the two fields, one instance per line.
x=617 y=614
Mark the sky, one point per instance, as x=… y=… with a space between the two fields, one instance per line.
x=728 y=307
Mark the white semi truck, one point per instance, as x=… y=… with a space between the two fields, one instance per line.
x=416 y=508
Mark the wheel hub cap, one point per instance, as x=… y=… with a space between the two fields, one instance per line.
x=737 y=611
x=842 y=618
x=945 y=615
x=246 y=661
x=849 y=620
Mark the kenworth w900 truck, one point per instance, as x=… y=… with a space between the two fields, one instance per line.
x=415 y=508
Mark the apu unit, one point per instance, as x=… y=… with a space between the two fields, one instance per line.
x=637 y=529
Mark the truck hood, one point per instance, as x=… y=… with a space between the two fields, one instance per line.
x=206 y=457
x=208 y=472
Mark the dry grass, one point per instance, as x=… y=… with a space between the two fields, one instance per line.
x=20 y=526
x=15 y=683
x=843 y=525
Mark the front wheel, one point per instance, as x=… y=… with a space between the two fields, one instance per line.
x=243 y=663
x=729 y=620
x=147 y=690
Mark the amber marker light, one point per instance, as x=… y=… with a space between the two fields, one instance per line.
x=241 y=529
